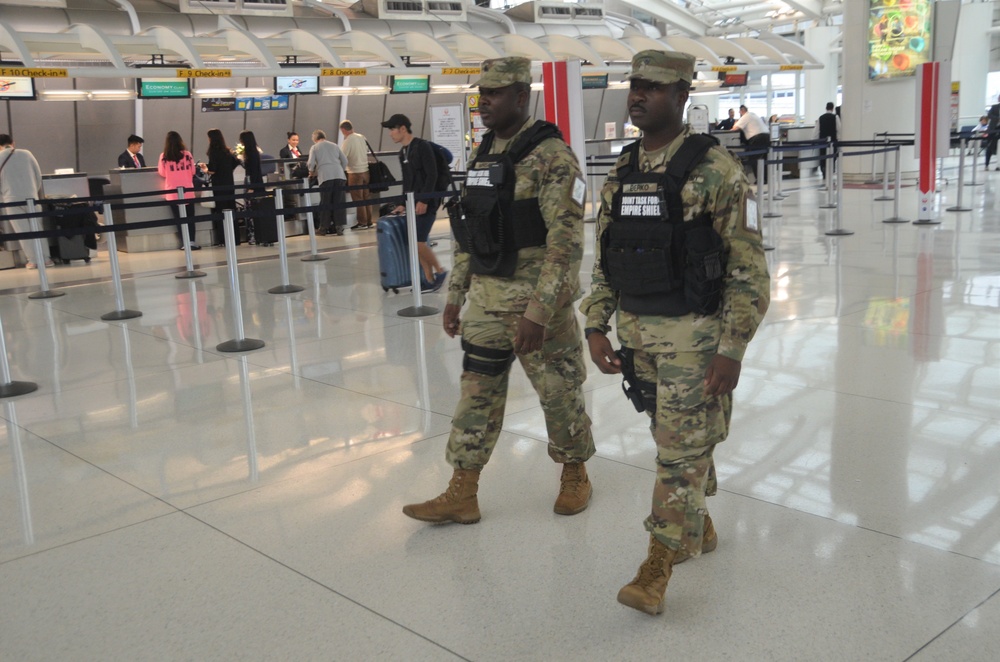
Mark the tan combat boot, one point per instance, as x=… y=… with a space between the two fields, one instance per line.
x=457 y=504
x=648 y=590
x=709 y=541
x=574 y=490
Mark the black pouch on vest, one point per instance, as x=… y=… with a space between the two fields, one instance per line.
x=637 y=258
x=704 y=268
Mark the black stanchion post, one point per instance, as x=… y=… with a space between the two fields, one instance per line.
x=279 y=207
x=895 y=201
x=241 y=343
x=418 y=309
x=185 y=240
x=839 y=231
x=8 y=387
x=313 y=255
x=121 y=312
x=961 y=181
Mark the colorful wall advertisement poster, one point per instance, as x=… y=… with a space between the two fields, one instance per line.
x=899 y=37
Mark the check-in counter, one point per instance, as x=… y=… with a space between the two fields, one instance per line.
x=138 y=180
x=73 y=185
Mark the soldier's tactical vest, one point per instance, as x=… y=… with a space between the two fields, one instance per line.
x=659 y=264
x=493 y=226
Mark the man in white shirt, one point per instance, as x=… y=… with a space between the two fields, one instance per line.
x=355 y=148
x=326 y=164
x=755 y=133
x=20 y=179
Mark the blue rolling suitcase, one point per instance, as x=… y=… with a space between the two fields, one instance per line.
x=393 y=253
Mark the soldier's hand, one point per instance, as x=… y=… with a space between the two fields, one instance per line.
x=530 y=336
x=420 y=208
x=451 y=319
x=603 y=354
x=722 y=376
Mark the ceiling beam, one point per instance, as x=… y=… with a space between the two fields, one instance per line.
x=811 y=8
x=672 y=14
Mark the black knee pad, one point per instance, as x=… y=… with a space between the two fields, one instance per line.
x=485 y=360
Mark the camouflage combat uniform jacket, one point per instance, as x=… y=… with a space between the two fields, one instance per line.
x=718 y=186
x=547 y=277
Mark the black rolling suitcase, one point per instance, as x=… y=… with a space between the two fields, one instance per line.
x=265 y=222
x=72 y=246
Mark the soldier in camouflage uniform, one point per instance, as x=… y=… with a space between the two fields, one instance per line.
x=528 y=314
x=690 y=363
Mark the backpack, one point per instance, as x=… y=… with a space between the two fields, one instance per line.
x=442 y=161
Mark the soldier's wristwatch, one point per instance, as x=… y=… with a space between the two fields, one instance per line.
x=591 y=329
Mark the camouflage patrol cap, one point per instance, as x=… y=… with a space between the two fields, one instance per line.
x=504 y=71
x=663 y=67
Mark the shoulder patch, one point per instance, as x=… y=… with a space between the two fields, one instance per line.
x=579 y=190
x=751 y=221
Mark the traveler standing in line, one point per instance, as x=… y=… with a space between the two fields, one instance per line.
x=757 y=135
x=250 y=157
x=683 y=337
x=220 y=167
x=20 y=179
x=994 y=131
x=176 y=166
x=524 y=184
x=827 y=127
x=326 y=164
x=355 y=148
x=419 y=168
x=132 y=157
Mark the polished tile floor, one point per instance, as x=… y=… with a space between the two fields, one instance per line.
x=161 y=500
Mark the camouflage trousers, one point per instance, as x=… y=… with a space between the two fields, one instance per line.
x=556 y=371
x=686 y=427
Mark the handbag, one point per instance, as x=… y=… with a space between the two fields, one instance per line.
x=206 y=191
x=380 y=177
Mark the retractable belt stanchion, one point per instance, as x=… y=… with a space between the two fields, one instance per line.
x=885 y=175
x=770 y=184
x=961 y=181
x=975 y=167
x=760 y=182
x=313 y=248
x=121 y=312
x=241 y=343
x=43 y=277
x=10 y=388
x=279 y=207
x=418 y=309
x=839 y=231
x=185 y=239
x=895 y=201
x=779 y=175
x=829 y=157
x=874 y=179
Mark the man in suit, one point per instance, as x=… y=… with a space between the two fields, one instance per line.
x=727 y=124
x=827 y=128
x=131 y=158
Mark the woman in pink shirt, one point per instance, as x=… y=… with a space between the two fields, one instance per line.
x=176 y=166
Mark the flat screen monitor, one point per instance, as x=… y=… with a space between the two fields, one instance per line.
x=899 y=38
x=17 y=87
x=163 y=88
x=733 y=78
x=296 y=84
x=409 y=84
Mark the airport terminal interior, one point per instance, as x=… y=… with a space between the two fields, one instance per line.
x=161 y=499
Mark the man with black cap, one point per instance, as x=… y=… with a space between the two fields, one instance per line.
x=679 y=261
x=518 y=248
x=419 y=168
x=131 y=157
